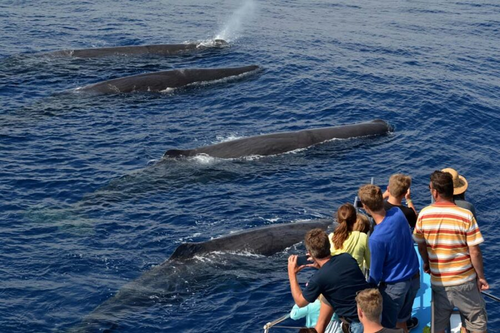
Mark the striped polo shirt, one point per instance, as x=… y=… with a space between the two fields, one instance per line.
x=448 y=231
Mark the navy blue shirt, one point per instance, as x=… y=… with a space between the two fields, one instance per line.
x=338 y=280
x=393 y=256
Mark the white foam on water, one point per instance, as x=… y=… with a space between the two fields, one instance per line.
x=231 y=137
x=167 y=90
x=203 y=159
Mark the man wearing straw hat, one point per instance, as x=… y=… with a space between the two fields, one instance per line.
x=448 y=240
x=460 y=185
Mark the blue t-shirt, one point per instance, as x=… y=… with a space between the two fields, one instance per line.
x=338 y=280
x=393 y=256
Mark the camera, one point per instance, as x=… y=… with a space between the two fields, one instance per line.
x=302 y=260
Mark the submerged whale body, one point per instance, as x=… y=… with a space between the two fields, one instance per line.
x=277 y=143
x=181 y=270
x=161 y=81
x=160 y=49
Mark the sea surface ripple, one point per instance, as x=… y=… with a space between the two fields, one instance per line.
x=86 y=205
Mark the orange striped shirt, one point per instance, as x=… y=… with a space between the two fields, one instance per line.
x=448 y=231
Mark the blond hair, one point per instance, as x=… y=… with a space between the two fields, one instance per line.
x=370 y=303
x=362 y=224
x=371 y=196
x=399 y=185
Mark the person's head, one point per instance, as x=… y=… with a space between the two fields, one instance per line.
x=460 y=184
x=399 y=185
x=442 y=183
x=369 y=303
x=346 y=218
x=362 y=223
x=317 y=243
x=371 y=197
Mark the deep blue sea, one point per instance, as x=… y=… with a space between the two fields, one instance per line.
x=86 y=206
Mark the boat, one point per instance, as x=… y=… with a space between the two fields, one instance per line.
x=423 y=306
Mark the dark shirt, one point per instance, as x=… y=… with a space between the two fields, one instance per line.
x=410 y=215
x=339 y=279
x=390 y=330
x=467 y=205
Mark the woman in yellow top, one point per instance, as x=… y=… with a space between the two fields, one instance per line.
x=344 y=239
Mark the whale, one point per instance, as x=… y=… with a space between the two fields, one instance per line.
x=136 y=50
x=162 y=81
x=266 y=240
x=183 y=268
x=277 y=143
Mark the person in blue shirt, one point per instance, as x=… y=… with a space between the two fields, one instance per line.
x=310 y=312
x=394 y=263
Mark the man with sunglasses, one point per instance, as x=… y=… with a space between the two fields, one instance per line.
x=448 y=240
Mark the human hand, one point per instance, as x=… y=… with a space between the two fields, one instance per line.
x=386 y=194
x=408 y=195
x=427 y=268
x=292 y=264
x=482 y=284
x=313 y=263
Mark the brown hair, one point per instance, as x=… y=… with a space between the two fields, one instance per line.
x=317 y=243
x=362 y=224
x=371 y=197
x=346 y=217
x=399 y=185
x=442 y=182
x=370 y=303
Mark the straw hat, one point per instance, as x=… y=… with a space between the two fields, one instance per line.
x=459 y=182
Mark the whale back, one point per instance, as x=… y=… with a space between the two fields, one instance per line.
x=98 y=52
x=266 y=240
x=277 y=143
x=155 y=49
x=160 y=81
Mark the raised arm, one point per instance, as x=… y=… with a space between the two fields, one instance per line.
x=293 y=269
x=409 y=202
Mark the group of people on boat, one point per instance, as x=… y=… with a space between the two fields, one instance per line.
x=368 y=277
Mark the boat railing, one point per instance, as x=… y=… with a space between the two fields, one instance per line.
x=274 y=324
x=493 y=297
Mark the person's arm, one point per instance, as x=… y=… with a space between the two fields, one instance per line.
x=377 y=261
x=293 y=269
x=419 y=238
x=386 y=194
x=476 y=258
x=367 y=254
x=298 y=312
x=325 y=315
x=409 y=202
x=422 y=249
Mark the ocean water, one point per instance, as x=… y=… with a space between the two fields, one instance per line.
x=87 y=206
